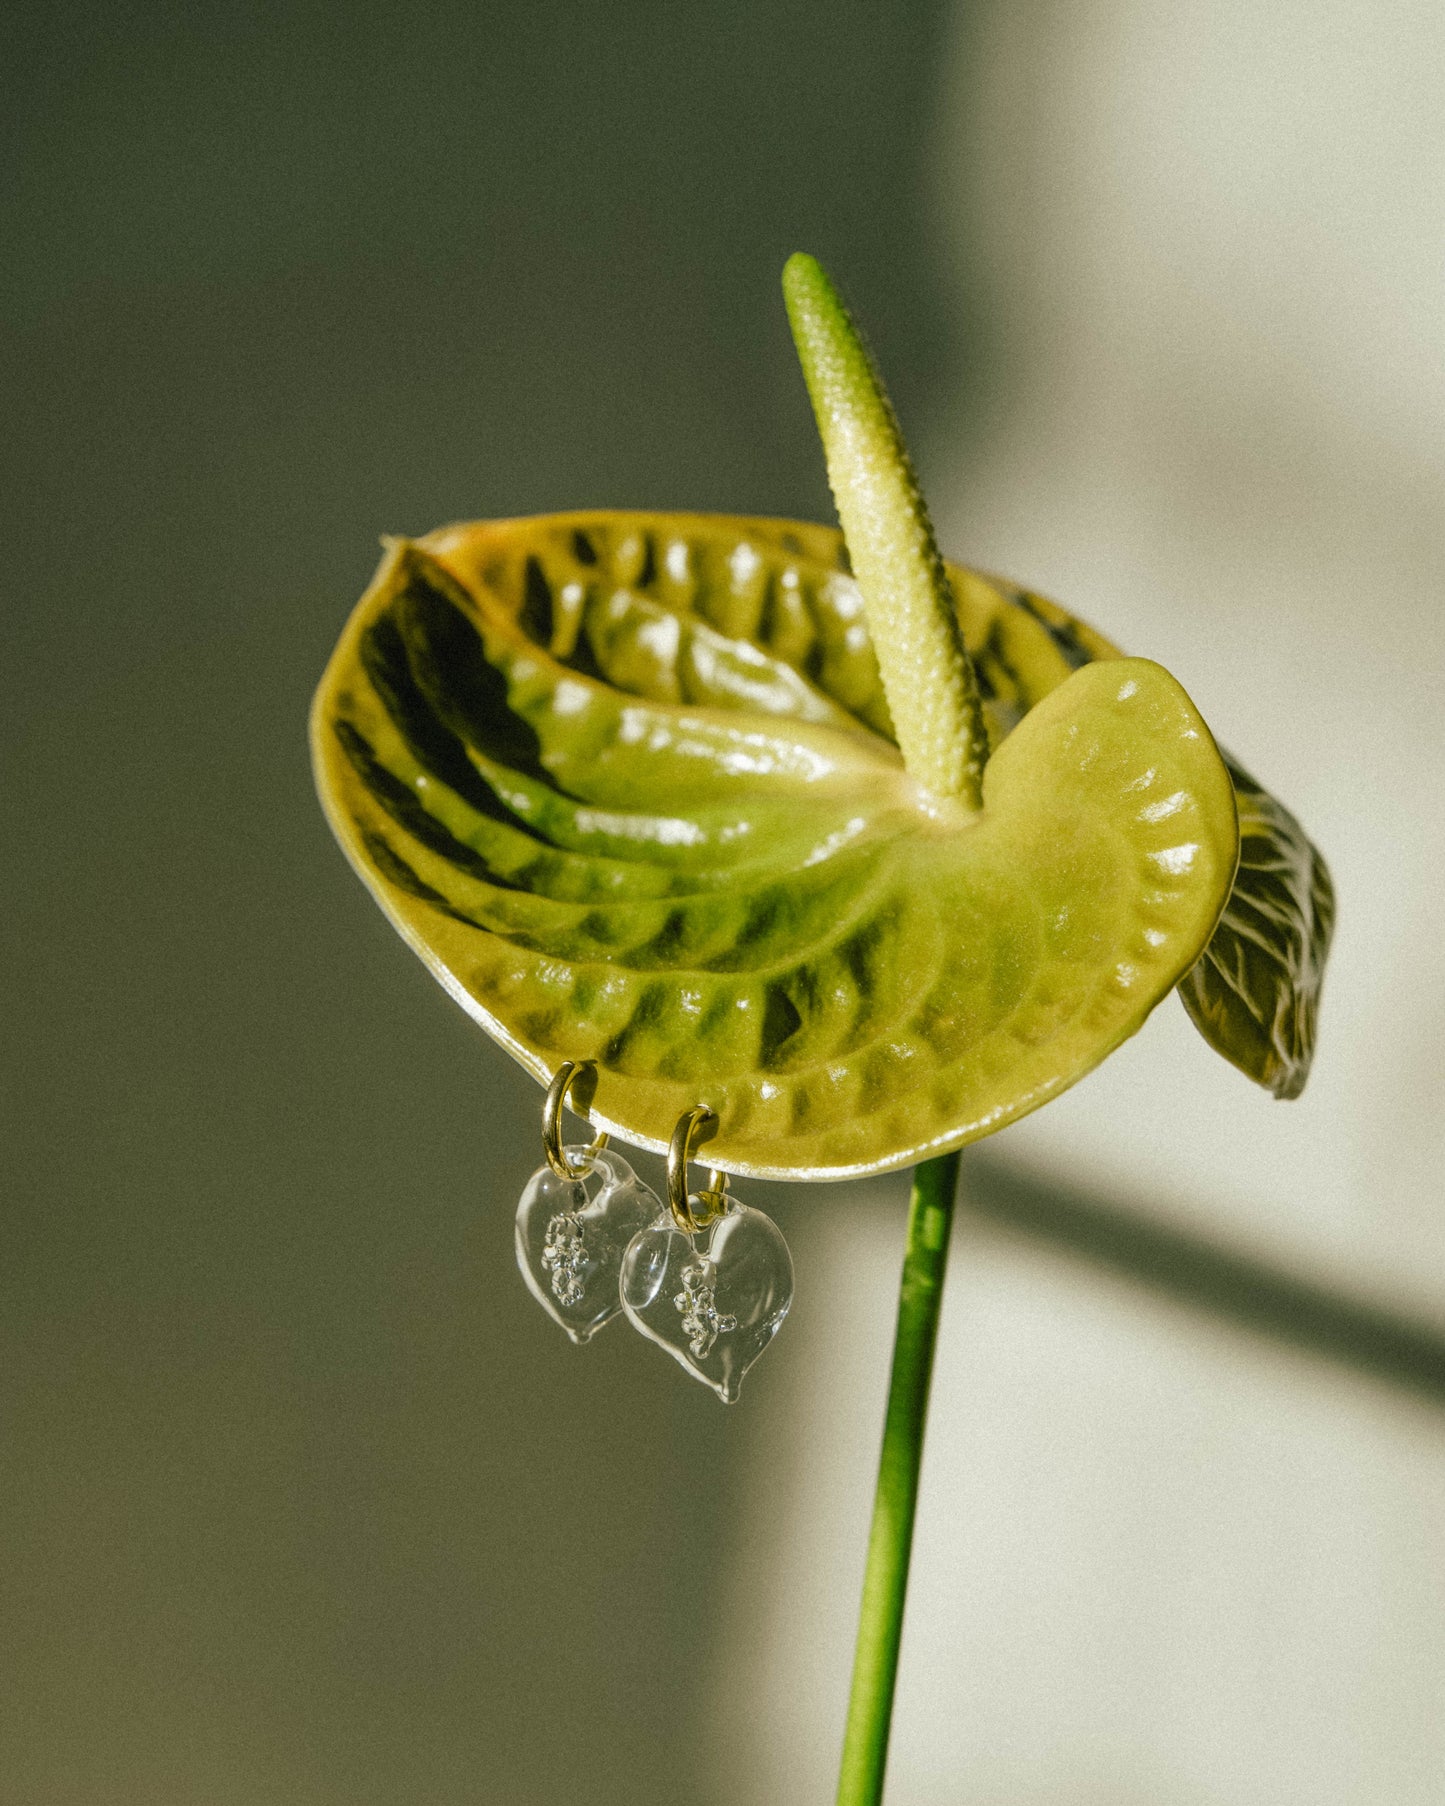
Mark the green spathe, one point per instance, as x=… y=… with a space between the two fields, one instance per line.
x=618 y=831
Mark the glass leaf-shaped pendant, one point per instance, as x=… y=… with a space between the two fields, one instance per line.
x=714 y=1301
x=573 y=1233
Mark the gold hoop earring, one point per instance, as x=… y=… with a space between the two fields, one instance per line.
x=697 y=1124
x=578 y=1215
x=714 y=1302
x=579 y=1078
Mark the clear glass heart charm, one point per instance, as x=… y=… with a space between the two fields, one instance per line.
x=572 y=1235
x=714 y=1301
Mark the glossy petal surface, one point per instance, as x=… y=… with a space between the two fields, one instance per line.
x=624 y=782
x=1254 y=994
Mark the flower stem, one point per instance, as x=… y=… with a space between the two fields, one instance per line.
x=933 y=698
x=890 y=1542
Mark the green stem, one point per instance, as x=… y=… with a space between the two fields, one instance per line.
x=937 y=713
x=890 y=1542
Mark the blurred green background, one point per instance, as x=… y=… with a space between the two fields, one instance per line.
x=302 y=1500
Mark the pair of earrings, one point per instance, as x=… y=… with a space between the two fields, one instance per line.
x=704 y=1276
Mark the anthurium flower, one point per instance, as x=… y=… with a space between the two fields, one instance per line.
x=631 y=785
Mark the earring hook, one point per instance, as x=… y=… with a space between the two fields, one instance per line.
x=580 y=1078
x=697 y=1124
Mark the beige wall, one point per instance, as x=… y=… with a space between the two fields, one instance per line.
x=1213 y=244
x=1160 y=1560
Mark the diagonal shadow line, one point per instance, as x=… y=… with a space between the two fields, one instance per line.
x=1195 y=1271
